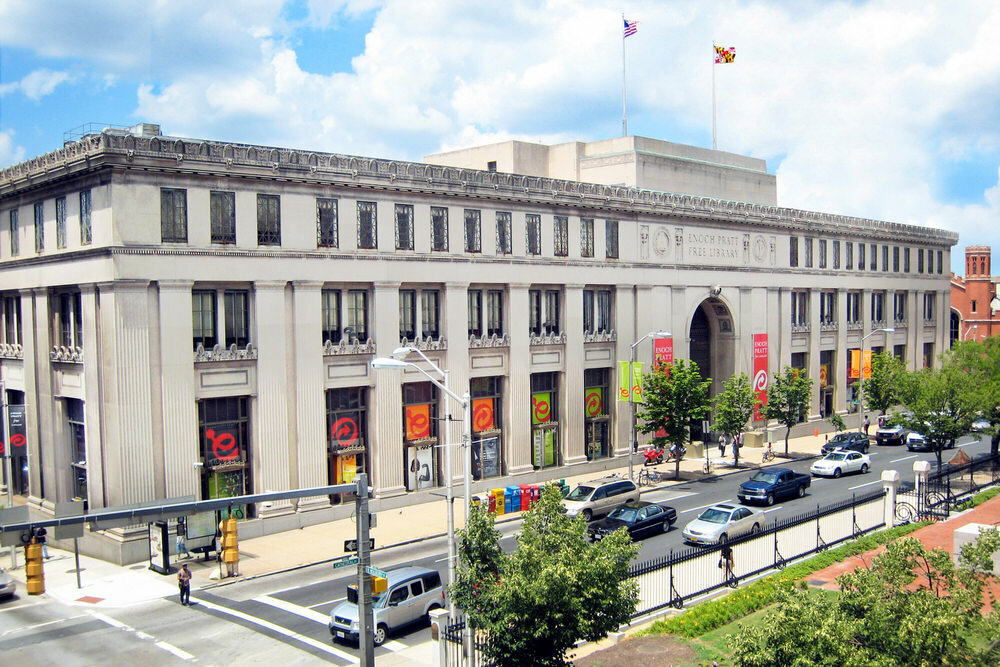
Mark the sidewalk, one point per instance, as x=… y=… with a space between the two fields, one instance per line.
x=108 y=585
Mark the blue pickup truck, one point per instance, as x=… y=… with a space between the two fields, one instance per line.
x=772 y=484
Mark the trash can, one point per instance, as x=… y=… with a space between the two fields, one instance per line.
x=525 y=496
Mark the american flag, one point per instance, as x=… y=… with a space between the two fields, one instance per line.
x=725 y=54
x=631 y=27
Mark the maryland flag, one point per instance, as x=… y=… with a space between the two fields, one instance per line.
x=725 y=54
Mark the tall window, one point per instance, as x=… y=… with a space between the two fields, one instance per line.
x=475 y=312
x=828 y=308
x=473 y=232
x=15 y=234
x=39 y=227
x=550 y=325
x=611 y=239
x=347 y=436
x=885 y=259
x=849 y=255
x=78 y=453
x=586 y=237
x=836 y=254
x=494 y=312
x=485 y=317
x=822 y=253
x=895 y=259
x=930 y=262
x=69 y=327
x=597 y=316
x=899 y=307
x=12 y=320
x=327 y=223
x=367 y=226
x=793 y=251
x=800 y=310
x=505 y=243
x=854 y=307
x=906 y=260
x=430 y=313
x=533 y=227
x=60 y=222
x=874 y=257
x=920 y=260
x=535 y=312
x=173 y=215
x=330 y=299
x=223 y=212
x=809 y=253
x=596 y=395
x=86 y=235
x=487 y=426
x=357 y=314
x=878 y=310
x=930 y=306
x=224 y=434
x=404 y=227
x=544 y=416
x=560 y=229
x=237 y=305
x=204 y=318
x=439 y=228
x=407 y=314
x=940 y=259
x=861 y=257
x=268 y=220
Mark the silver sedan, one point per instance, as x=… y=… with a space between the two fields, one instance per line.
x=840 y=462
x=720 y=522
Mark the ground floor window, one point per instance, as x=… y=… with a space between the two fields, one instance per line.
x=347 y=437
x=545 y=420
x=224 y=433
x=827 y=383
x=78 y=447
x=17 y=443
x=487 y=429
x=595 y=412
x=420 y=435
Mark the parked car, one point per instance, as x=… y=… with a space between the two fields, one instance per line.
x=639 y=519
x=980 y=425
x=720 y=522
x=771 y=484
x=411 y=593
x=847 y=440
x=917 y=442
x=7 y=584
x=840 y=462
x=599 y=496
x=889 y=432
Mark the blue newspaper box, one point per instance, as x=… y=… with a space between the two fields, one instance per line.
x=512 y=499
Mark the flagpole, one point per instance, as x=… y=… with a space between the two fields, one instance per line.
x=714 y=145
x=624 y=112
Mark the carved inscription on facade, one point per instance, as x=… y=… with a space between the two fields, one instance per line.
x=718 y=246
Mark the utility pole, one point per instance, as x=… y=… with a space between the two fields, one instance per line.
x=366 y=639
x=7 y=454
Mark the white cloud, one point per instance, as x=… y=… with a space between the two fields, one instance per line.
x=36 y=85
x=10 y=153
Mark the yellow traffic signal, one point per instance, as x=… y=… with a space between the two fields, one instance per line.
x=230 y=545
x=379 y=584
x=34 y=569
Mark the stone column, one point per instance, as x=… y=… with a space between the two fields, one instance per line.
x=814 y=347
x=517 y=407
x=841 y=358
x=386 y=414
x=36 y=345
x=455 y=329
x=308 y=450
x=890 y=482
x=270 y=449
x=571 y=412
x=92 y=397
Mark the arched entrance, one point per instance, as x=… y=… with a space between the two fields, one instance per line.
x=711 y=344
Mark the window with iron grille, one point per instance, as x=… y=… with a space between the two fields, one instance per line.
x=533 y=225
x=404 y=227
x=793 y=251
x=560 y=228
x=173 y=215
x=439 y=228
x=505 y=244
x=85 y=229
x=611 y=239
x=15 y=235
x=268 y=220
x=60 y=222
x=473 y=236
x=78 y=453
x=327 y=223
x=330 y=299
x=367 y=226
x=223 y=213
x=586 y=237
x=39 y=227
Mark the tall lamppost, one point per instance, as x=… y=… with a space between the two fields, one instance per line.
x=861 y=376
x=631 y=393
x=969 y=331
x=397 y=362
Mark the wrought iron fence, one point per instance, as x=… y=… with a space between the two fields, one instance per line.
x=946 y=488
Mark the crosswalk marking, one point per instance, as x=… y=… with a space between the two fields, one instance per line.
x=292 y=608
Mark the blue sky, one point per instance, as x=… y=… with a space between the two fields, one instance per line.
x=880 y=109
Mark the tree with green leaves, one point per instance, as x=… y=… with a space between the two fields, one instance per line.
x=734 y=407
x=941 y=403
x=674 y=398
x=837 y=422
x=981 y=360
x=911 y=607
x=554 y=590
x=788 y=397
x=882 y=388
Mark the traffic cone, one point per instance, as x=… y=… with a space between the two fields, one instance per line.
x=816 y=432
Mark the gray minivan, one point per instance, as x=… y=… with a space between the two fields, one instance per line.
x=411 y=593
x=599 y=496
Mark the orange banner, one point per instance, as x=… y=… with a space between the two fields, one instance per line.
x=418 y=421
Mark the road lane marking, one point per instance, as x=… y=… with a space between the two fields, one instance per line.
x=292 y=608
x=905 y=458
x=695 y=509
x=861 y=486
x=308 y=641
x=169 y=648
x=327 y=602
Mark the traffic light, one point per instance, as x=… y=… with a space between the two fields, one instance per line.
x=33 y=568
x=379 y=584
x=230 y=546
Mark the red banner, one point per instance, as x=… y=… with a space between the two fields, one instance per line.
x=418 y=421
x=663 y=351
x=760 y=376
x=482 y=415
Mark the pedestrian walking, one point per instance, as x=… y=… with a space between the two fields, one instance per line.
x=181 y=545
x=722 y=445
x=726 y=562
x=184 y=581
x=40 y=536
x=867 y=424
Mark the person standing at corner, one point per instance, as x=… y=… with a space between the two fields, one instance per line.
x=866 y=425
x=40 y=535
x=722 y=445
x=184 y=581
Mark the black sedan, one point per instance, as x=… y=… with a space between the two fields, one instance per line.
x=639 y=518
x=852 y=440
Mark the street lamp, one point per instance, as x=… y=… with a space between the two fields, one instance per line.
x=969 y=331
x=631 y=393
x=397 y=362
x=861 y=376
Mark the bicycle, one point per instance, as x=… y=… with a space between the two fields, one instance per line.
x=648 y=477
x=768 y=454
x=707 y=467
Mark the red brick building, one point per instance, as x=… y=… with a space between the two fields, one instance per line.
x=975 y=305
